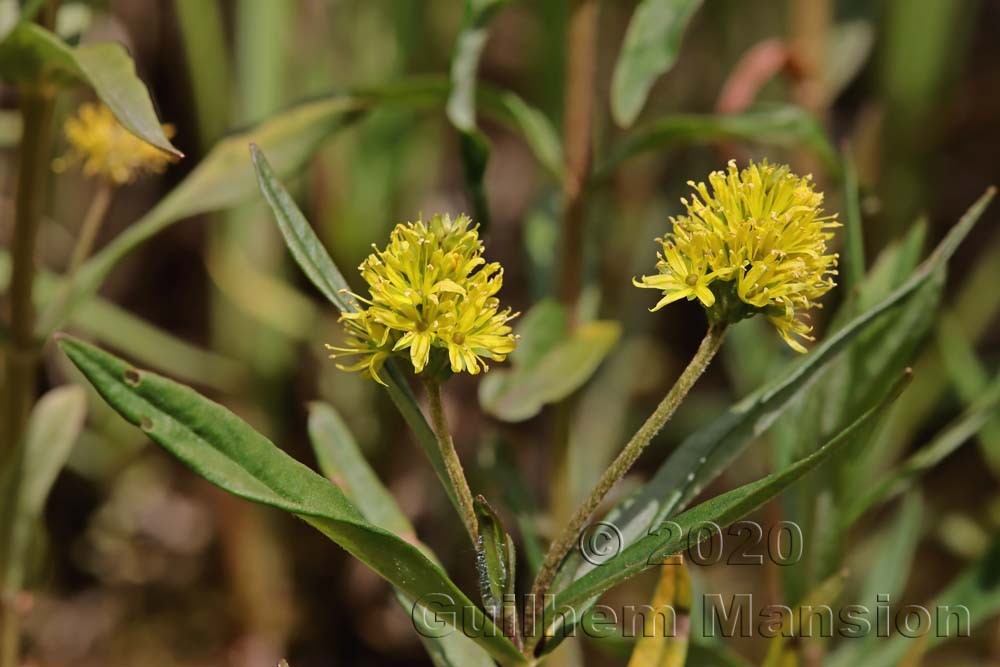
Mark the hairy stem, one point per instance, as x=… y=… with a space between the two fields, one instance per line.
x=562 y=545
x=451 y=461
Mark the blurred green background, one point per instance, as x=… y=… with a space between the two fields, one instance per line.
x=147 y=564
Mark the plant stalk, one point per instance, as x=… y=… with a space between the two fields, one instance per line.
x=93 y=219
x=22 y=353
x=569 y=536
x=578 y=117
x=451 y=461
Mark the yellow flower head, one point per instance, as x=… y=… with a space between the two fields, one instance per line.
x=104 y=148
x=753 y=241
x=430 y=289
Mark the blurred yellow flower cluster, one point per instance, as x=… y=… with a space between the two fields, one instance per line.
x=753 y=241
x=104 y=148
x=429 y=289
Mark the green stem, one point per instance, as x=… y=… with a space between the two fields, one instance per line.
x=89 y=228
x=22 y=352
x=578 y=118
x=451 y=461
x=93 y=219
x=569 y=536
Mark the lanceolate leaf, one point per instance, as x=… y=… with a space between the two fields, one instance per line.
x=223 y=449
x=779 y=126
x=316 y=263
x=970 y=600
x=465 y=60
x=461 y=107
x=31 y=51
x=309 y=254
x=953 y=436
x=663 y=541
x=650 y=50
x=520 y=393
x=341 y=460
x=53 y=429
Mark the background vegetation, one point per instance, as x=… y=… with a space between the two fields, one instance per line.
x=890 y=105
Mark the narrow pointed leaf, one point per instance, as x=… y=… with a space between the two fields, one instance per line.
x=786 y=126
x=341 y=461
x=494 y=558
x=651 y=44
x=315 y=262
x=301 y=240
x=461 y=107
x=30 y=51
x=520 y=393
x=53 y=429
x=226 y=451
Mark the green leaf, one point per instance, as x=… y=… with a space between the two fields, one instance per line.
x=540 y=330
x=226 y=451
x=315 y=262
x=31 y=52
x=976 y=590
x=301 y=240
x=854 y=241
x=461 y=107
x=536 y=128
x=495 y=565
x=668 y=539
x=896 y=547
x=951 y=437
x=342 y=462
x=650 y=50
x=786 y=126
x=971 y=380
x=53 y=429
x=519 y=394
x=847 y=50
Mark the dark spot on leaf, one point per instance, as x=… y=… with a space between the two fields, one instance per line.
x=146 y=424
x=132 y=377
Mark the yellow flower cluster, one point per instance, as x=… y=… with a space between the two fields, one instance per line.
x=104 y=148
x=429 y=289
x=753 y=241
